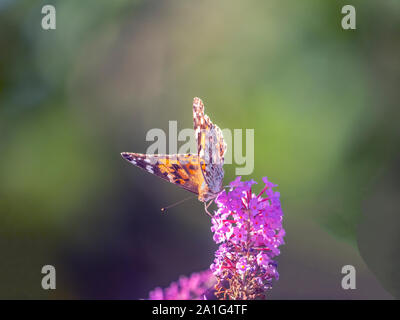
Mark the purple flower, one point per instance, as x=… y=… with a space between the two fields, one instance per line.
x=268 y=184
x=195 y=287
x=263 y=260
x=248 y=228
x=242 y=265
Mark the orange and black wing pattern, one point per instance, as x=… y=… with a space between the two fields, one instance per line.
x=180 y=169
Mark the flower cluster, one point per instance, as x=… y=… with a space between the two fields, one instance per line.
x=196 y=287
x=248 y=228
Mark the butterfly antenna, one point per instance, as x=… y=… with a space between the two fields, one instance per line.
x=176 y=203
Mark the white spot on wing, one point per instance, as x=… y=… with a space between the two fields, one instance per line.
x=149 y=169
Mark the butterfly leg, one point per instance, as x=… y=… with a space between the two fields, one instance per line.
x=206 y=205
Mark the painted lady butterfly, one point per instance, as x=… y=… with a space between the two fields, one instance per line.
x=200 y=173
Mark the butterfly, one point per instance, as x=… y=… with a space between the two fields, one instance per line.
x=201 y=173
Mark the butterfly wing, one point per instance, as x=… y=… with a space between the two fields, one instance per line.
x=201 y=123
x=200 y=173
x=180 y=169
x=211 y=148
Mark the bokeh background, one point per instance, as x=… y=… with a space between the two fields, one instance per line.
x=324 y=104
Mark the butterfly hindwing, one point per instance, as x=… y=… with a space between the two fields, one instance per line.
x=181 y=169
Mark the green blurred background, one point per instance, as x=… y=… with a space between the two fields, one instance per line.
x=323 y=101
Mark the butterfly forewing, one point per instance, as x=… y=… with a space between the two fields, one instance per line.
x=180 y=169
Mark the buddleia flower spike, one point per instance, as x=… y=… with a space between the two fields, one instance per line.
x=248 y=229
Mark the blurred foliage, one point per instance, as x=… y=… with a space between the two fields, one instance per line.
x=323 y=103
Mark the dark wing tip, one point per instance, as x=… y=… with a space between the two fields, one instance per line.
x=126 y=156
